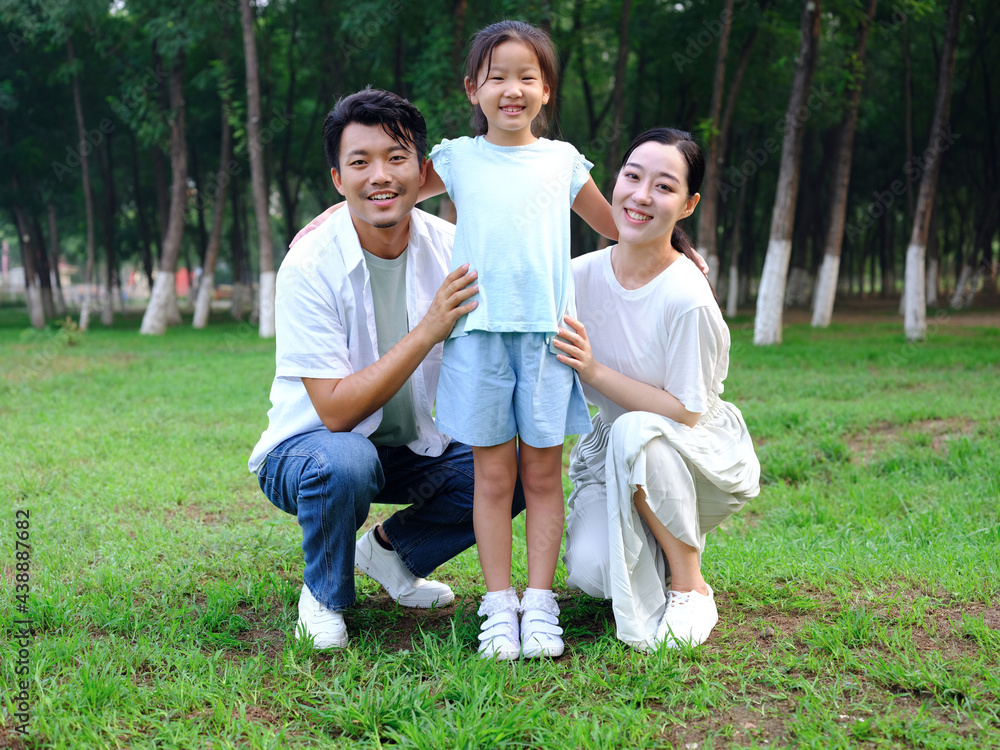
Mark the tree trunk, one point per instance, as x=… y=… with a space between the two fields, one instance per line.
x=162 y=196
x=163 y=300
x=975 y=264
x=42 y=267
x=207 y=286
x=60 y=300
x=32 y=293
x=707 y=219
x=915 y=320
x=826 y=286
x=256 y=148
x=908 y=114
x=88 y=200
x=111 y=275
x=618 y=96
x=767 y=326
x=239 y=259
x=733 y=296
x=144 y=234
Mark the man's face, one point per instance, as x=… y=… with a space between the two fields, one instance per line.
x=378 y=177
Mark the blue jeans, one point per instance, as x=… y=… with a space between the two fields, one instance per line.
x=328 y=480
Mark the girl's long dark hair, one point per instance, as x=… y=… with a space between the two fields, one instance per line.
x=481 y=55
x=695 y=160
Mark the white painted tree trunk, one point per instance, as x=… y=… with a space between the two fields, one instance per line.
x=203 y=305
x=36 y=310
x=799 y=288
x=733 y=298
x=107 y=314
x=964 y=292
x=60 y=299
x=914 y=287
x=48 y=302
x=826 y=291
x=85 y=309
x=712 y=258
x=173 y=309
x=154 y=322
x=932 y=282
x=770 y=296
x=241 y=293
x=266 y=311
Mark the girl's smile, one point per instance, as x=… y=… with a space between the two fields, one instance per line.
x=511 y=93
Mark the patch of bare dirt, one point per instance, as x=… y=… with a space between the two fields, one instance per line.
x=853 y=312
x=866 y=445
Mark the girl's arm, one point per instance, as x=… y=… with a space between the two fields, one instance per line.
x=591 y=205
x=433 y=184
x=630 y=394
x=316 y=222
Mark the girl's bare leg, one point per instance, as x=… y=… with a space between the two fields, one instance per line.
x=685 y=567
x=541 y=478
x=496 y=475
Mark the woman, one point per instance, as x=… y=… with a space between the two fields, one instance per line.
x=668 y=460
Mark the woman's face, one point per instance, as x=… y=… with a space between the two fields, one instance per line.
x=651 y=194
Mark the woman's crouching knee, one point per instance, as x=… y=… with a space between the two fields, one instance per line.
x=587 y=557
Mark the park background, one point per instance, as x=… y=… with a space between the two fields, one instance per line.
x=147 y=145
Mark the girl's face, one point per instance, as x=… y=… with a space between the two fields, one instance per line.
x=510 y=92
x=651 y=194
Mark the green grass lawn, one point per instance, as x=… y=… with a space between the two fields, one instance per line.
x=859 y=595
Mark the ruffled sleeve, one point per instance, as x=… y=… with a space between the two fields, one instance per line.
x=581 y=173
x=440 y=157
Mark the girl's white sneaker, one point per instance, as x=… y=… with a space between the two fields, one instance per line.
x=498 y=638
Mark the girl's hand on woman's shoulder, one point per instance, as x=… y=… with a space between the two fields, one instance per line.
x=575 y=347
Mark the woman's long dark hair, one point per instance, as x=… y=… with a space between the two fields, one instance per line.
x=695 y=160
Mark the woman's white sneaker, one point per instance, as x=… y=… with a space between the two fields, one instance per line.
x=688 y=619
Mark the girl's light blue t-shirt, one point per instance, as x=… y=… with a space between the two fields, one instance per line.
x=513 y=206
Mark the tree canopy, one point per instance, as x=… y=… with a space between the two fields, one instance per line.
x=312 y=52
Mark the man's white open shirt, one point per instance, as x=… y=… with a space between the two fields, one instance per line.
x=325 y=325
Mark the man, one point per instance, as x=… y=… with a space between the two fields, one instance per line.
x=363 y=303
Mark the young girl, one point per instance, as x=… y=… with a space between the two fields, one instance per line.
x=500 y=377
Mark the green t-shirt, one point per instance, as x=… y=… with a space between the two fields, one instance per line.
x=388 y=280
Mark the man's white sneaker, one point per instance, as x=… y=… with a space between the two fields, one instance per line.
x=385 y=567
x=325 y=627
x=688 y=619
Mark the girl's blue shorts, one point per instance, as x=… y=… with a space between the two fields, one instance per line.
x=494 y=386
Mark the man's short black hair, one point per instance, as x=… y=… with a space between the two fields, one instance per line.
x=398 y=117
